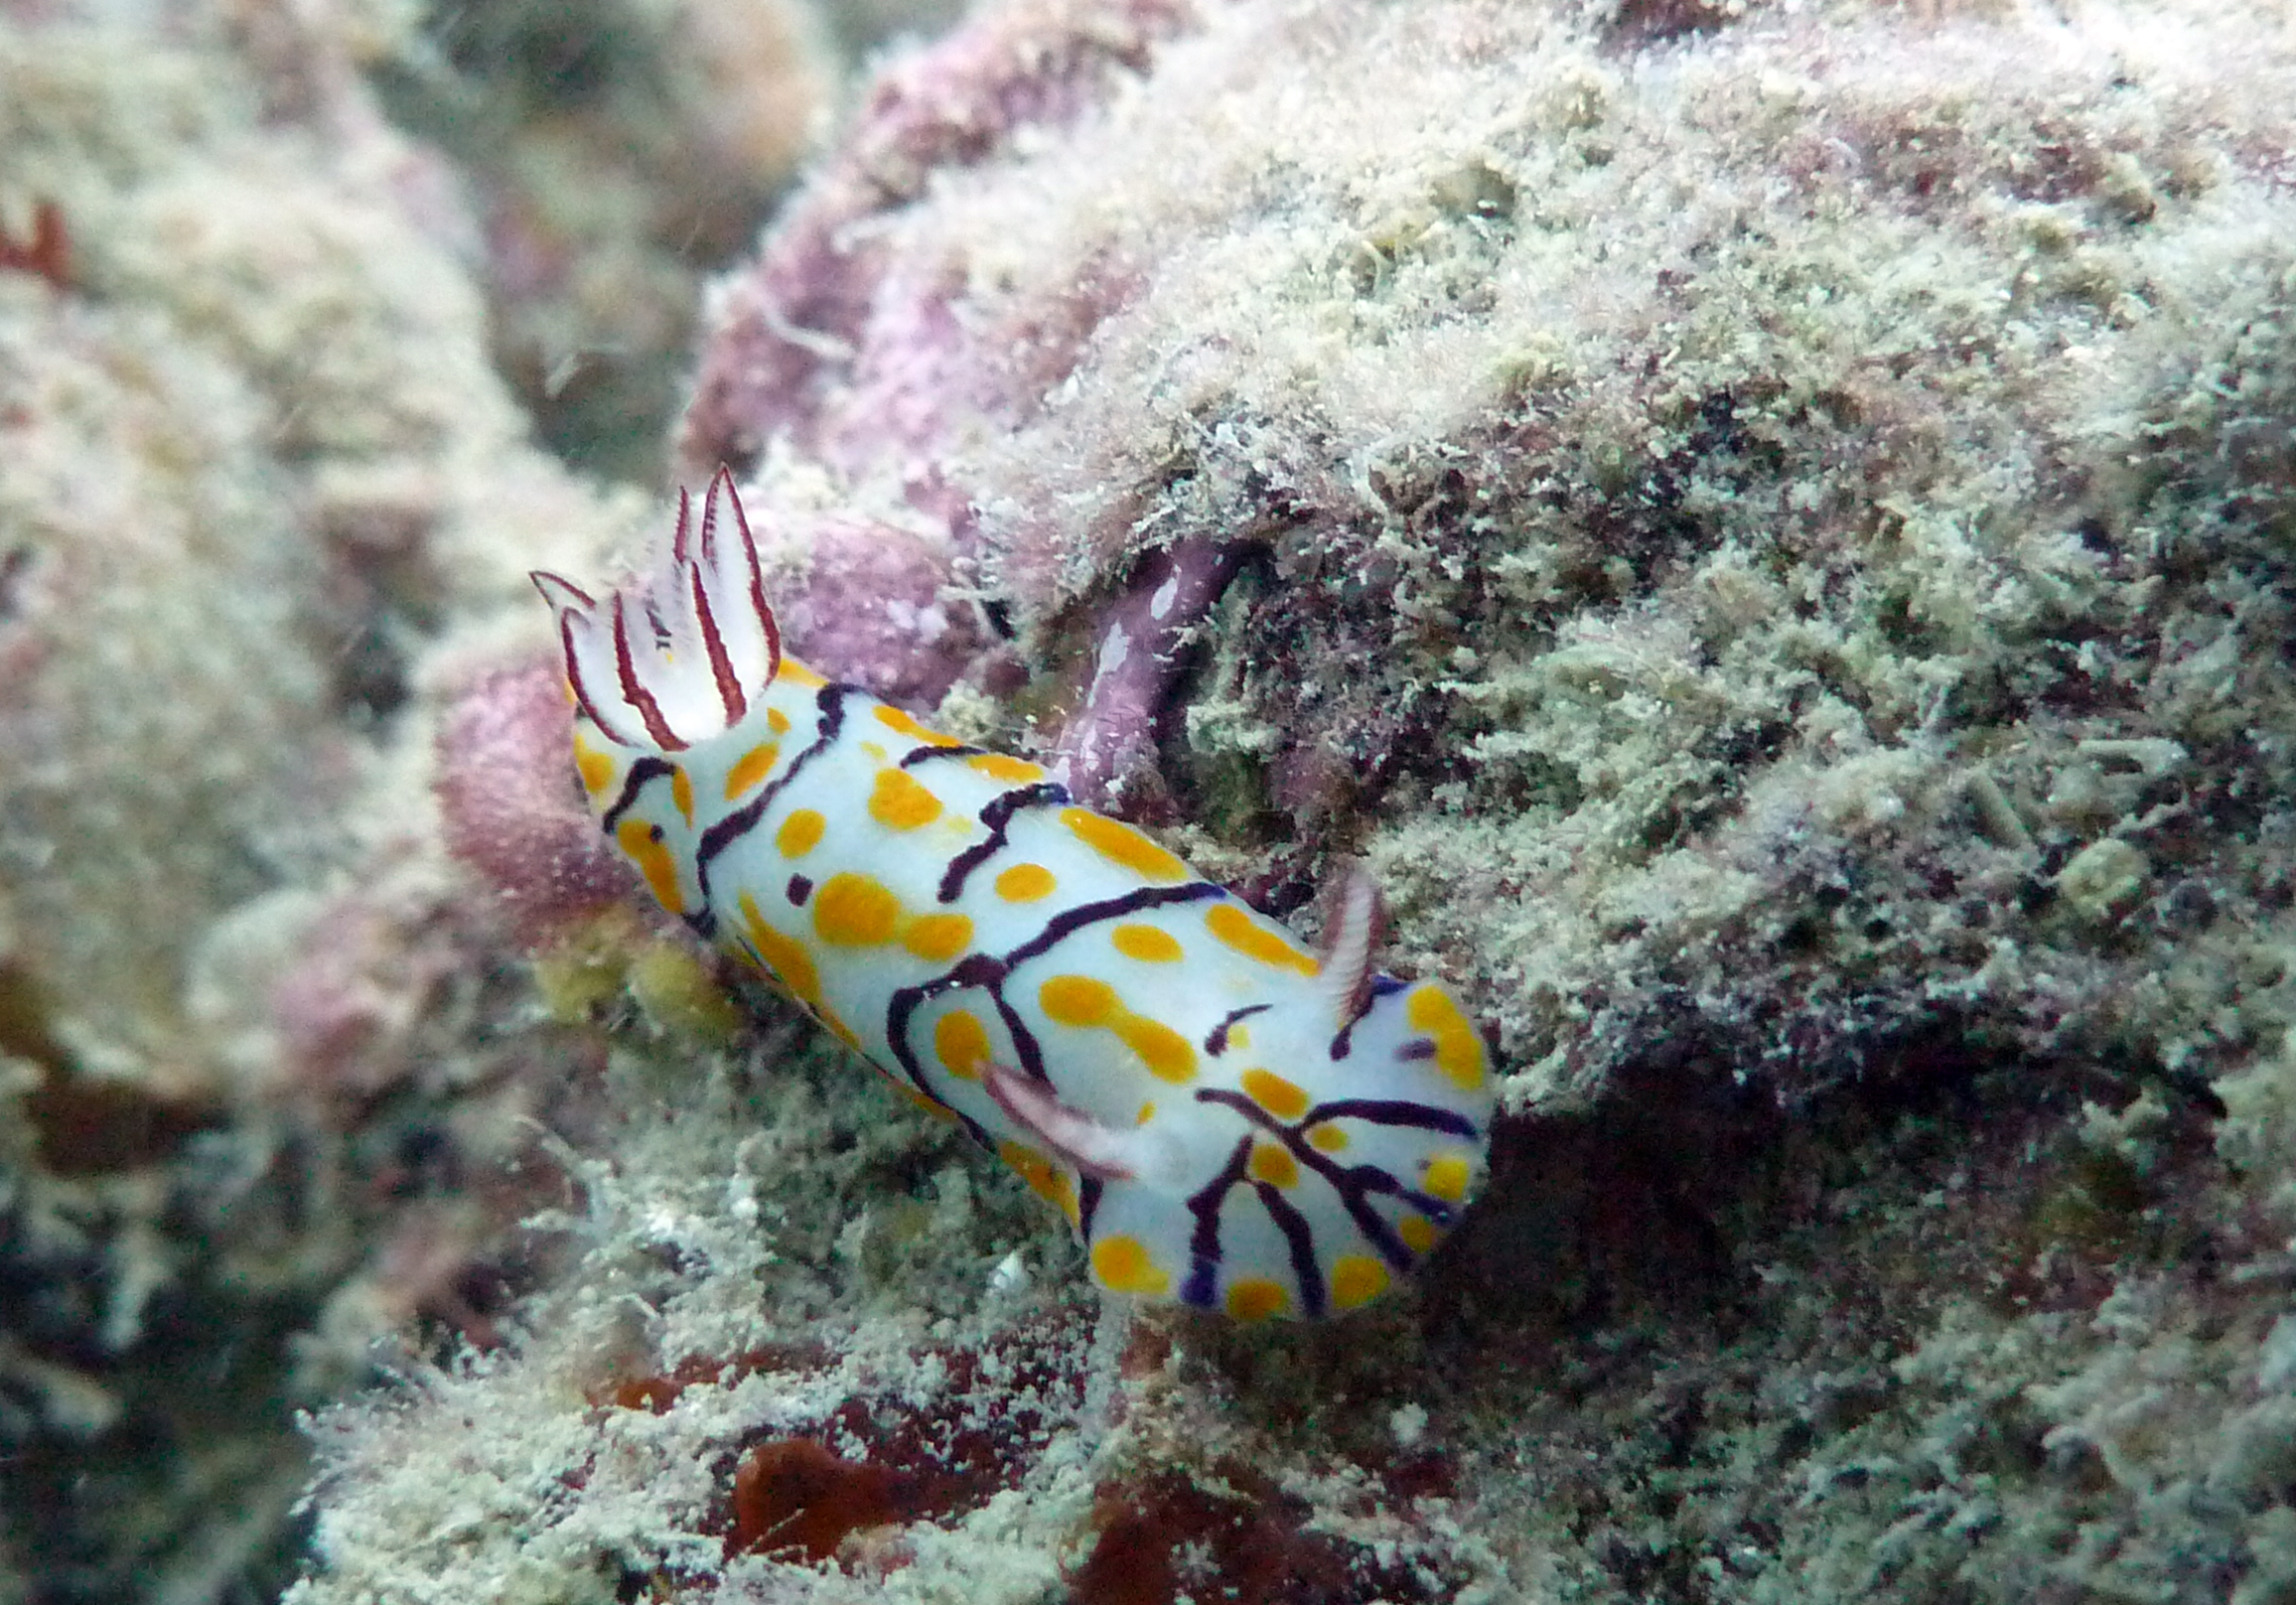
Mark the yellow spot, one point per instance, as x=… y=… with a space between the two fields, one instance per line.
x=897 y=801
x=1458 y=1045
x=1147 y=1114
x=854 y=911
x=1446 y=1178
x=653 y=861
x=1357 y=1279
x=1121 y=845
x=1165 y=1052
x=1147 y=943
x=1233 y=926
x=1417 y=1232
x=1286 y=1101
x=1122 y=1264
x=1025 y=883
x=937 y=937
x=786 y=956
x=1270 y=1164
x=777 y=722
x=1327 y=1138
x=1077 y=1000
x=1256 y=1298
x=800 y=833
x=1010 y=770
x=1082 y=1001
x=891 y=718
x=681 y=793
x=1238 y=1038
x=859 y=911
x=961 y=1042
x=751 y=767
x=799 y=675
x=595 y=768
x=1047 y=1180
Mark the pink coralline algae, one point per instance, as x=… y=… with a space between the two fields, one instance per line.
x=46 y=251
x=347 y=1008
x=830 y=311
x=873 y=610
x=838 y=346
x=510 y=808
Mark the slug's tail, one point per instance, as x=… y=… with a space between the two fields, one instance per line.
x=674 y=661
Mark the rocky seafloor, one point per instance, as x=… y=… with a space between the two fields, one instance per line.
x=1768 y=527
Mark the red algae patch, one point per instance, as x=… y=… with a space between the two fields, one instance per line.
x=793 y=1498
x=1231 y=1534
x=886 y=1455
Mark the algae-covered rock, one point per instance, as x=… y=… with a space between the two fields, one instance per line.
x=1705 y=501
x=259 y=495
x=1769 y=527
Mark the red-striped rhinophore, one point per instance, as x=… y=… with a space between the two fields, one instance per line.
x=673 y=663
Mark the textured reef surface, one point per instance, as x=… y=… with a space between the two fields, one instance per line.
x=264 y=1068
x=1769 y=527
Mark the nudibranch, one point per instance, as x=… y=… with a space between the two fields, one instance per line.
x=1224 y=1118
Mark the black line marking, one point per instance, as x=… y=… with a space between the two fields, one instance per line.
x=646 y=768
x=922 y=1079
x=1087 y=1205
x=737 y=825
x=1355 y=1183
x=1393 y=1112
x=1204 y=1254
x=1300 y=1237
x=987 y=972
x=973 y=1129
x=1063 y=926
x=1204 y=1204
x=976 y=971
x=926 y=754
x=1215 y=1040
x=998 y=817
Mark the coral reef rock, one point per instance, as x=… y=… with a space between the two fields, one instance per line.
x=1769 y=527
x=261 y=503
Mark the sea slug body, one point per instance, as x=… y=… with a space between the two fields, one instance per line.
x=1225 y=1119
